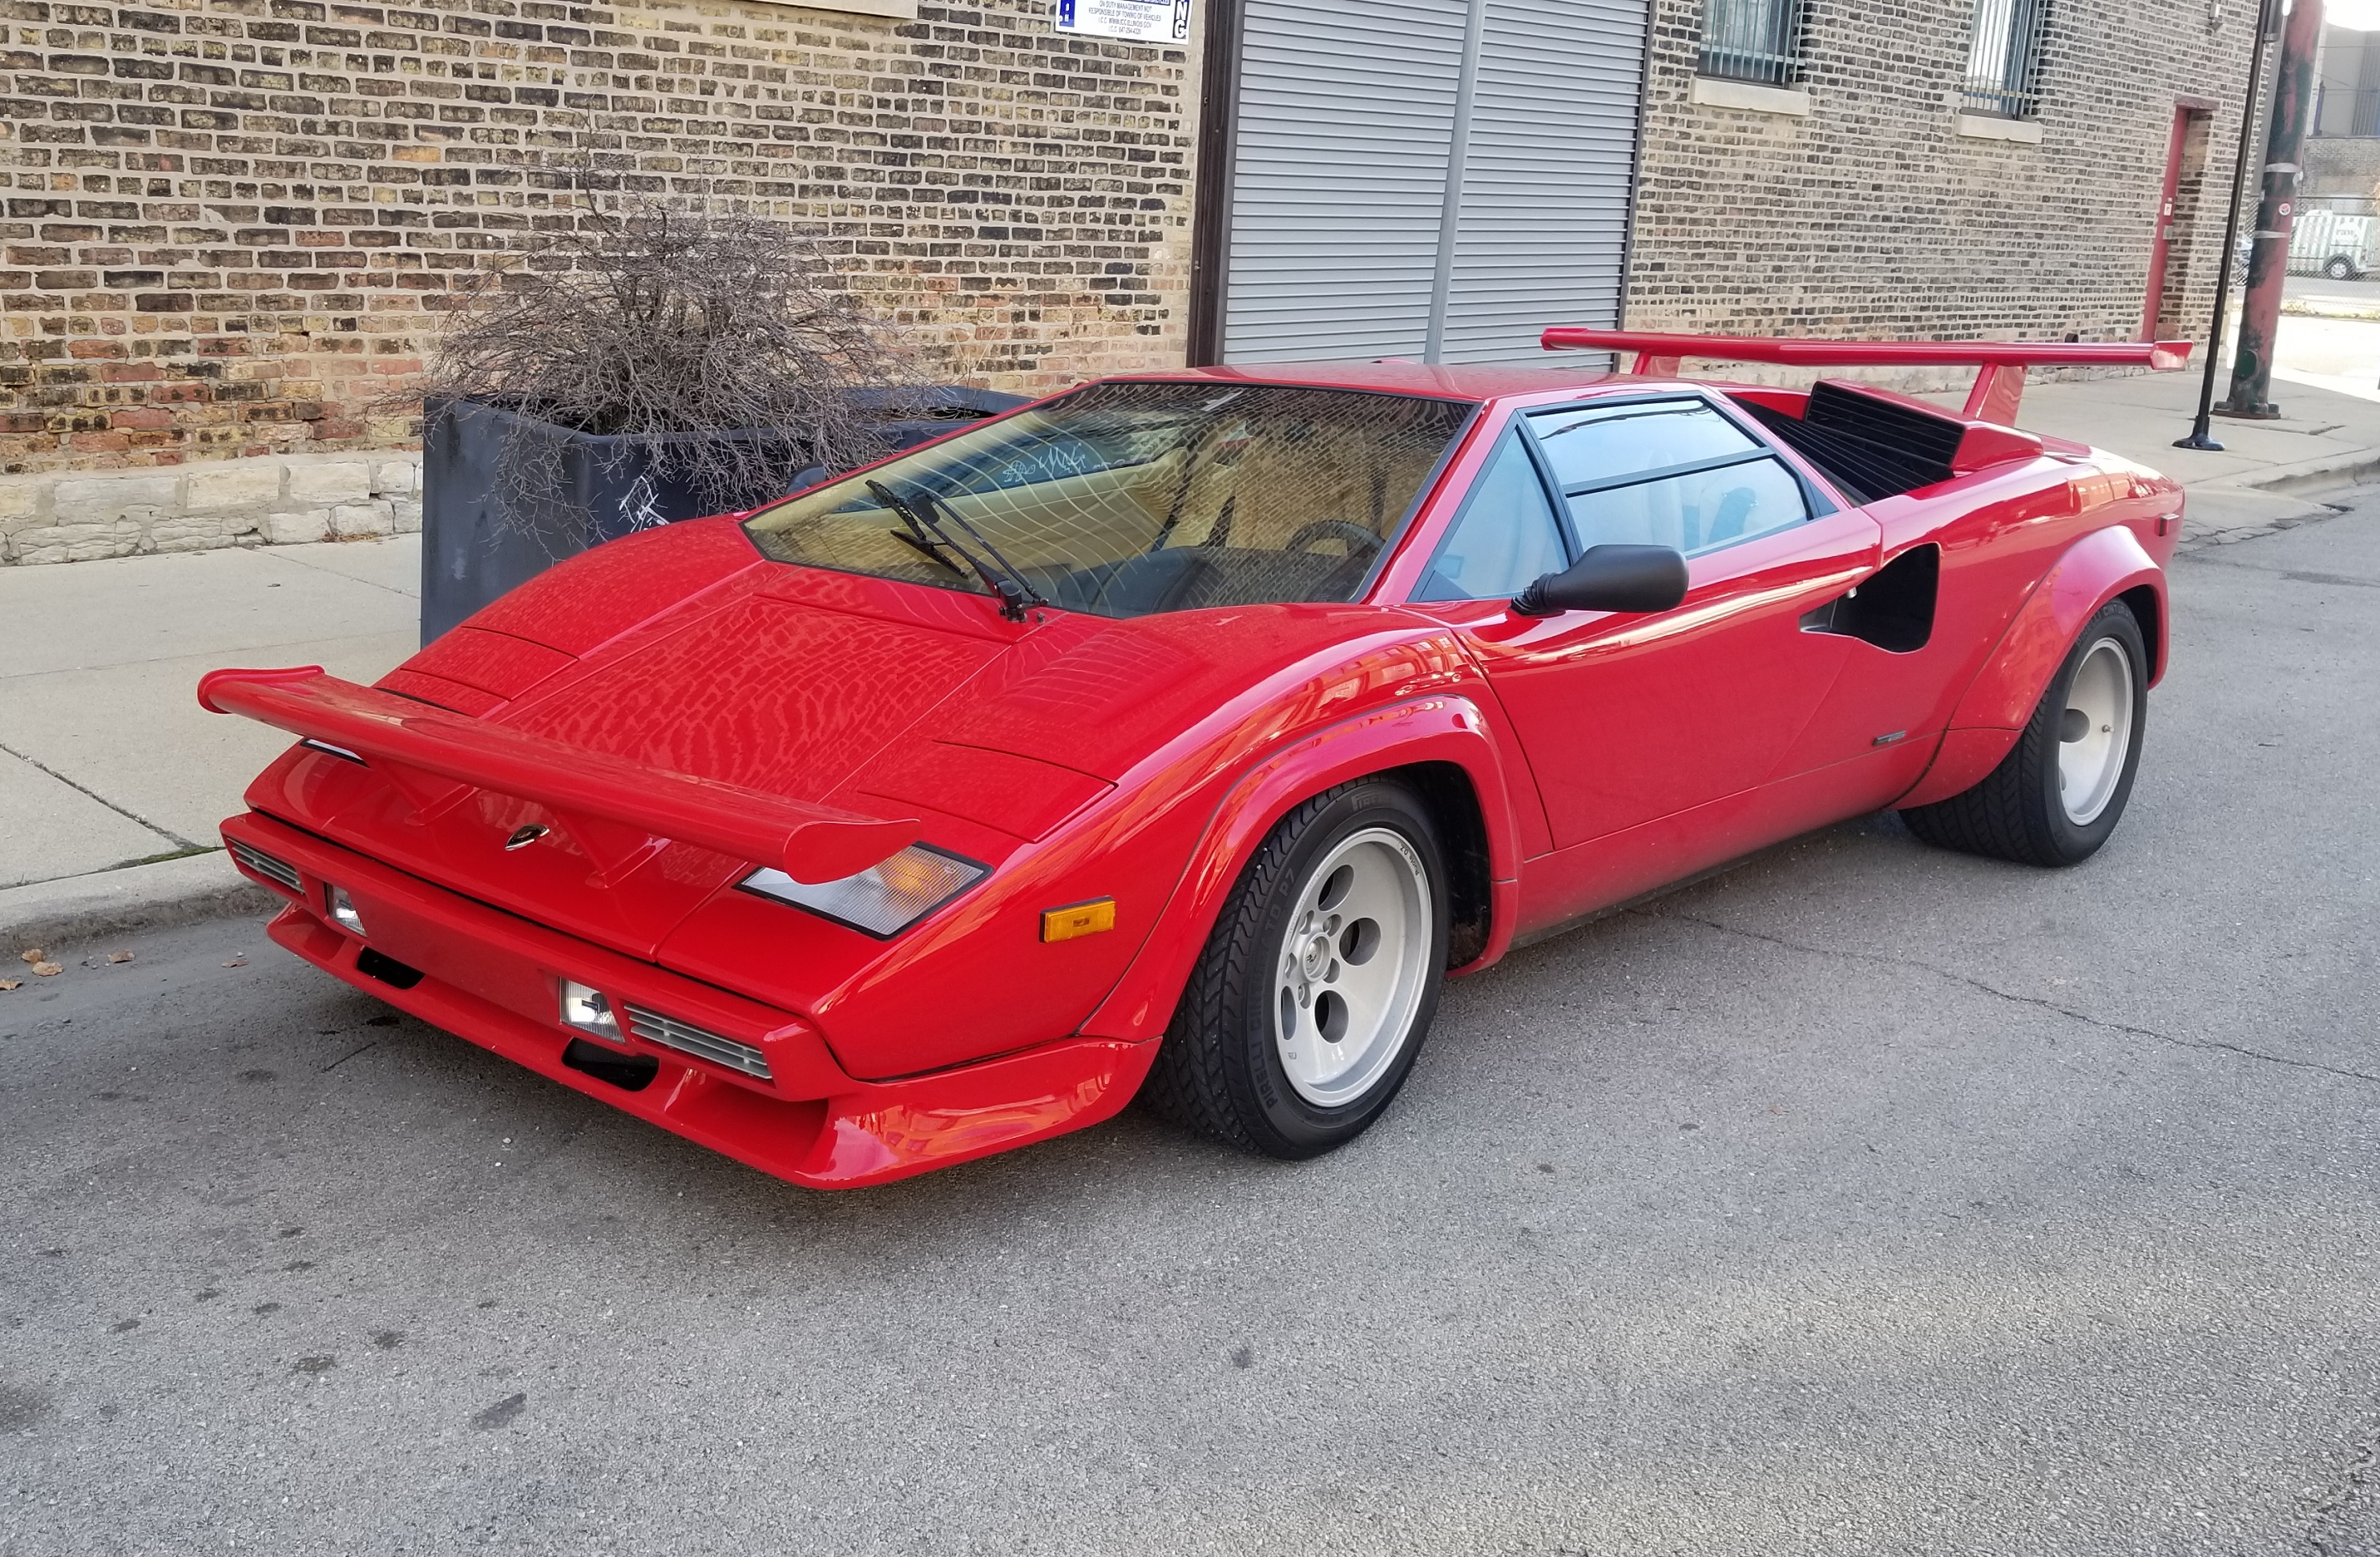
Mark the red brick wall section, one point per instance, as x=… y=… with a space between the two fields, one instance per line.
x=230 y=225
x=1873 y=217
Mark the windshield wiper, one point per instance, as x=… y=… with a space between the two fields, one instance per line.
x=917 y=534
x=926 y=534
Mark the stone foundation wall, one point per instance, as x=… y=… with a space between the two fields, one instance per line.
x=272 y=500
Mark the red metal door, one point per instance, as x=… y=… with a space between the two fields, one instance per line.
x=2168 y=209
x=1626 y=719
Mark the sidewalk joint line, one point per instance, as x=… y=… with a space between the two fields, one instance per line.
x=165 y=832
x=193 y=852
x=301 y=561
x=2209 y=1044
x=210 y=654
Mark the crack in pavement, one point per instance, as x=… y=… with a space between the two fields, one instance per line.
x=374 y=583
x=40 y=766
x=2296 y=576
x=2039 y=1002
x=346 y=1057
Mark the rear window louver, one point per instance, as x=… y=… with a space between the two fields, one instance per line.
x=1871 y=449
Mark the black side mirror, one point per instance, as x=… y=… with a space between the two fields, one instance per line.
x=1609 y=578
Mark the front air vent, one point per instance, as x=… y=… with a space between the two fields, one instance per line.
x=277 y=871
x=687 y=1039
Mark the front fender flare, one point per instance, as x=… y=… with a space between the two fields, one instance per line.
x=2093 y=571
x=1439 y=728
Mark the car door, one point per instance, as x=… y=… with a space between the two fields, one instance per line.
x=1626 y=718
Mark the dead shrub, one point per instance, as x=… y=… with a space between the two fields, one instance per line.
x=654 y=323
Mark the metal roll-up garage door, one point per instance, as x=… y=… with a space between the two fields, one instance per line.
x=1430 y=179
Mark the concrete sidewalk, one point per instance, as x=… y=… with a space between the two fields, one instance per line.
x=111 y=778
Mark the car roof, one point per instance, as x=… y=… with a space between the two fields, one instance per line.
x=1418 y=378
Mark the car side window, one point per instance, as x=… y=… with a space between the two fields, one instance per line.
x=1692 y=513
x=1505 y=538
x=1597 y=443
x=1670 y=473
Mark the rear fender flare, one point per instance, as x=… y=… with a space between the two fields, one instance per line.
x=1439 y=728
x=2094 y=570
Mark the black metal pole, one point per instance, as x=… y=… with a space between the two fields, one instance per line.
x=2266 y=18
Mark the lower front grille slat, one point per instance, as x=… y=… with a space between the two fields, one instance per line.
x=264 y=865
x=687 y=1038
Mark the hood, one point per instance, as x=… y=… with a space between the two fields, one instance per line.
x=766 y=693
x=885 y=698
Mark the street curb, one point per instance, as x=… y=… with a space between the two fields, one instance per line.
x=2312 y=475
x=170 y=891
x=2355 y=313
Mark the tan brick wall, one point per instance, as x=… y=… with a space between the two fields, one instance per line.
x=1873 y=217
x=230 y=225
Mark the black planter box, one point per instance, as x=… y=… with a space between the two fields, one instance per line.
x=606 y=487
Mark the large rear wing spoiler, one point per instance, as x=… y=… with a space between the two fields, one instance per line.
x=1999 y=379
x=612 y=808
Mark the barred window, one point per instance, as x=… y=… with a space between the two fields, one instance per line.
x=1753 y=41
x=2004 y=61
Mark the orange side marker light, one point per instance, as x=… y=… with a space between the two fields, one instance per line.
x=1078 y=919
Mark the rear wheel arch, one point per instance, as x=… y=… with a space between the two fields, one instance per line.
x=2060 y=788
x=2105 y=565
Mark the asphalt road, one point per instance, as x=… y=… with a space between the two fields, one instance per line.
x=1867 y=1200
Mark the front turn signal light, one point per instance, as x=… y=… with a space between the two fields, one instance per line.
x=882 y=900
x=1078 y=918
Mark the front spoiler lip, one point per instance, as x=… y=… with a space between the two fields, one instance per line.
x=814 y=1126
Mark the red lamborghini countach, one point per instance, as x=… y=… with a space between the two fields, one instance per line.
x=1178 y=734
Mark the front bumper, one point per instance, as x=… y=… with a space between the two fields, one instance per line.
x=493 y=979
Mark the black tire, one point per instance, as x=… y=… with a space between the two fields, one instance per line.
x=1218 y=1069
x=2016 y=813
x=2339 y=268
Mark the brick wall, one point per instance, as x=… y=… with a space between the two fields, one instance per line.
x=230 y=225
x=1872 y=216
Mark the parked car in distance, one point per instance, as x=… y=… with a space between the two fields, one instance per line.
x=1180 y=733
x=2333 y=243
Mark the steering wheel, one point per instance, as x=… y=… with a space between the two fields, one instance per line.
x=1359 y=542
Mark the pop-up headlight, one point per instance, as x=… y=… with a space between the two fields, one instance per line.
x=882 y=900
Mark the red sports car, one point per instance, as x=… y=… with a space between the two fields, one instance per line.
x=1177 y=734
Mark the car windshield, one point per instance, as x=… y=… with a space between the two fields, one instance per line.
x=1128 y=498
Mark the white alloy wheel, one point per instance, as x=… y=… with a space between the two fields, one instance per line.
x=1354 y=966
x=2095 y=734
